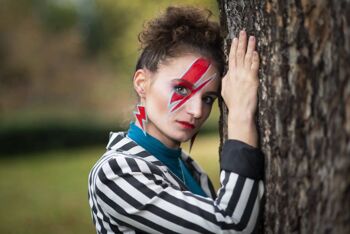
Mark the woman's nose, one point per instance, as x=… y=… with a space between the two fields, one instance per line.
x=194 y=106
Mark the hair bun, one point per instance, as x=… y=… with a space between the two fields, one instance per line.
x=178 y=30
x=179 y=25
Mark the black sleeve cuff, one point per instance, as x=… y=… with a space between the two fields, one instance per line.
x=243 y=159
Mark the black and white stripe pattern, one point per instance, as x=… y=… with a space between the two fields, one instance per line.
x=130 y=191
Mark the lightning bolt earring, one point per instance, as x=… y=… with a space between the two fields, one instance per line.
x=141 y=117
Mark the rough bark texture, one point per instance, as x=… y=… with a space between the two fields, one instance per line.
x=304 y=109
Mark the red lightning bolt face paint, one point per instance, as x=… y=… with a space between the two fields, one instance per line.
x=192 y=82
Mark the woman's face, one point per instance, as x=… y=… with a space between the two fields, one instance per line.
x=179 y=98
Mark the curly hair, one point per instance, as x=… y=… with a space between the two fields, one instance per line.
x=179 y=30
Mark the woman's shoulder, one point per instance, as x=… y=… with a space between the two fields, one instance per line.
x=123 y=156
x=116 y=164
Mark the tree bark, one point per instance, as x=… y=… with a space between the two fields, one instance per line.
x=303 y=111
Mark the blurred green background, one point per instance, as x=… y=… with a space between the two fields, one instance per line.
x=65 y=82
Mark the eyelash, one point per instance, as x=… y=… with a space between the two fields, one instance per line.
x=179 y=88
x=212 y=99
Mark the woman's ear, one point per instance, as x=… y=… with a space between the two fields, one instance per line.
x=141 y=78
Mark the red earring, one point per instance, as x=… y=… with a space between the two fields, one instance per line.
x=141 y=117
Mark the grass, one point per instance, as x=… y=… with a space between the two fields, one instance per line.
x=47 y=192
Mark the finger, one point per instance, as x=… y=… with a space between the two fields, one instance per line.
x=255 y=62
x=249 y=55
x=241 y=49
x=232 y=56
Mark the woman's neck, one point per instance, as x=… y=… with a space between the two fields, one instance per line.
x=156 y=133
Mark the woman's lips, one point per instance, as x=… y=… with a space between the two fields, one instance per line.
x=186 y=124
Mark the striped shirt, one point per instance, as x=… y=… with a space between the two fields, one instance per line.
x=131 y=191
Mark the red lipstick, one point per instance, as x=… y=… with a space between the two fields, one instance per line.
x=186 y=124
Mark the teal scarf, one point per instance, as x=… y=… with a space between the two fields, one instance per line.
x=168 y=156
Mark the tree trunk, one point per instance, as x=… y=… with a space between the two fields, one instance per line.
x=303 y=111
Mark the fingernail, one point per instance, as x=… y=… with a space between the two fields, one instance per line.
x=251 y=38
x=242 y=32
x=235 y=39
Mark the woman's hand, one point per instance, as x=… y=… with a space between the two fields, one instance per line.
x=239 y=89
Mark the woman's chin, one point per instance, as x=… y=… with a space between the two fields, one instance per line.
x=183 y=137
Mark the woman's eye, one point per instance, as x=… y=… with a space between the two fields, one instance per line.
x=209 y=100
x=181 y=90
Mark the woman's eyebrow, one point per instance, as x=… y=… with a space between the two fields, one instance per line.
x=181 y=81
x=212 y=93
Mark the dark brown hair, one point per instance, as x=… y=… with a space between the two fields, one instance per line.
x=179 y=30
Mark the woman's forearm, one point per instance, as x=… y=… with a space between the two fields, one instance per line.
x=242 y=128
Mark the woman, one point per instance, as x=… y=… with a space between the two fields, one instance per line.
x=145 y=183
